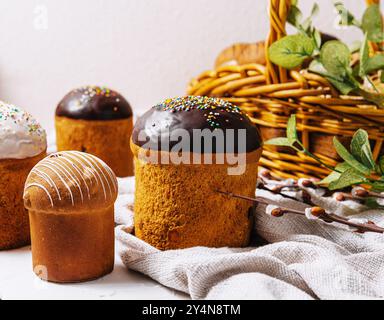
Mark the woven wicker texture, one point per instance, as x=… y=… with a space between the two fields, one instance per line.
x=270 y=94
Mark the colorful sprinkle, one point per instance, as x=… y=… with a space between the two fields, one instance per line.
x=212 y=107
x=88 y=92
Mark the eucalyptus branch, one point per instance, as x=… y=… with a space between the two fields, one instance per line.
x=313 y=156
x=333 y=59
x=358 y=168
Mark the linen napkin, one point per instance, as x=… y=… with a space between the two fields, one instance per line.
x=305 y=259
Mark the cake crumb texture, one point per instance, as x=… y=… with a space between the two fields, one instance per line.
x=176 y=206
x=108 y=140
x=14 y=221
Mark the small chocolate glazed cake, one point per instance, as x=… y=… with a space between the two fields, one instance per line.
x=99 y=121
x=185 y=150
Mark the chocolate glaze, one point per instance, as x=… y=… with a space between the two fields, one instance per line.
x=94 y=103
x=193 y=113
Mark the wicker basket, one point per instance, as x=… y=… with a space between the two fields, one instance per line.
x=270 y=94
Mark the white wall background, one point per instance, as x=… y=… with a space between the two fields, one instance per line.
x=146 y=49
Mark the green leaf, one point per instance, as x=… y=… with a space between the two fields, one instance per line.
x=377 y=186
x=372 y=203
x=343 y=84
x=382 y=77
x=335 y=175
x=346 y=17
x=375 y=63
x=291 y=130
x=372 y=23
x=377 y=98
x=335 y=57
x=307 y=23
x=348 y=178
x=361 y=149
x=317 y=38
x=315 y=10
x=364 y=56
x=291 y=51
x=381 y=164
x=295 y=16
x=342 y=167
x=281 y=141
x=350 y=159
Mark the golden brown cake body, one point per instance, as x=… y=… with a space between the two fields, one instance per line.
x=70 y=197
x=72 y=247
x=14 y=222
x=177 y=206
x=106 y=139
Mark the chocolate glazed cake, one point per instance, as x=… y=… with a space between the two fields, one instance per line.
x=177 y=204
x=99 y=121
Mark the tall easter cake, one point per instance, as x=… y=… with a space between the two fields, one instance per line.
x=177 y=204
x=97 y=120
x=22 y=145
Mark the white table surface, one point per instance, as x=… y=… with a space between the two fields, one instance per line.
x=17 y=281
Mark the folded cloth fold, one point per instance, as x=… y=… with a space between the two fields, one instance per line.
x=305 y=259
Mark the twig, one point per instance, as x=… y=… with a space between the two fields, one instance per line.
x=315 y=211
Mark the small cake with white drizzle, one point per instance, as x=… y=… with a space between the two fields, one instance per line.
x=22 y=145
x=70 y=197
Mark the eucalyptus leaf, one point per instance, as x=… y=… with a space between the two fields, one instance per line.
x=364 y=57
x=315 y=10
x=335 y=175
x=335 y=57
x=291 y=130
x=377 y=98
x=375 y=63
x=343 y=84
x=346 y=17
x=377 y=186
x=291 y=51
x=332 y=177
x=342 y=167
x=349 y=158
x=361 y=149
x=281 y=141
x=317 y=38
x=295 y=16
x=372 y=203
x=372 y=23
x=348 y=178
x=381 y=164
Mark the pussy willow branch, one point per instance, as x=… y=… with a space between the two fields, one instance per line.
x=327 y=217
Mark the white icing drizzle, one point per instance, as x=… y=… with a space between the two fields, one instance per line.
x=41 y=187
x=49 y=180
x=87 y=160
x=74 y=165
x=102 y=172
x=68 y=175
x=70 y=167
x=87 y=169
x=53 y=168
